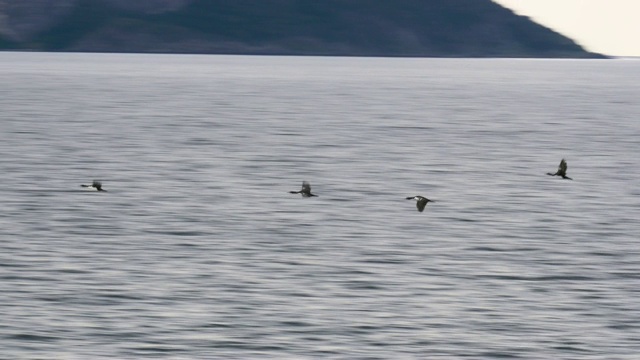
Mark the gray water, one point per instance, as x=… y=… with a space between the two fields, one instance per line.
x=198 y=251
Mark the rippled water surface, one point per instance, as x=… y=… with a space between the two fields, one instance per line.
x=198 y=251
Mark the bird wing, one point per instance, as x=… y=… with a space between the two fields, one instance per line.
x=306 y=187
x=421 y=204
x=96 y=184
x=563 y=166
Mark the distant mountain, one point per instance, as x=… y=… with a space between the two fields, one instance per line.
x=424 y=28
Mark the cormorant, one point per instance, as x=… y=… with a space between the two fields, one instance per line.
x=96 y=185
x=305 y=191
x=562 y=170
x=421 y=201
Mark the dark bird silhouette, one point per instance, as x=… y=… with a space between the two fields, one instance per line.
x=562 y=170
x=305 y=191
x=421 y=201
x=96 y=185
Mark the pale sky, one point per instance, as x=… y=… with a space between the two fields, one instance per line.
x=610 y=27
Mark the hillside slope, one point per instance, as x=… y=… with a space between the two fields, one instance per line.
x=425 y=28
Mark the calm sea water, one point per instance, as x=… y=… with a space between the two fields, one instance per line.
x=198 y=251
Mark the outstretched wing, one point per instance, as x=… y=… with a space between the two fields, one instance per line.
x=306 y=187
x=421 y=204
x=96 y=184
x=563 y=166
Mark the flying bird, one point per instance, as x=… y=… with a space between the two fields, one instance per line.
x=562 y=170
x=421 y=201
x=305 y=191
x=96 y=185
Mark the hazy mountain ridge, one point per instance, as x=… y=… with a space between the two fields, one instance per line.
x=455 y=28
